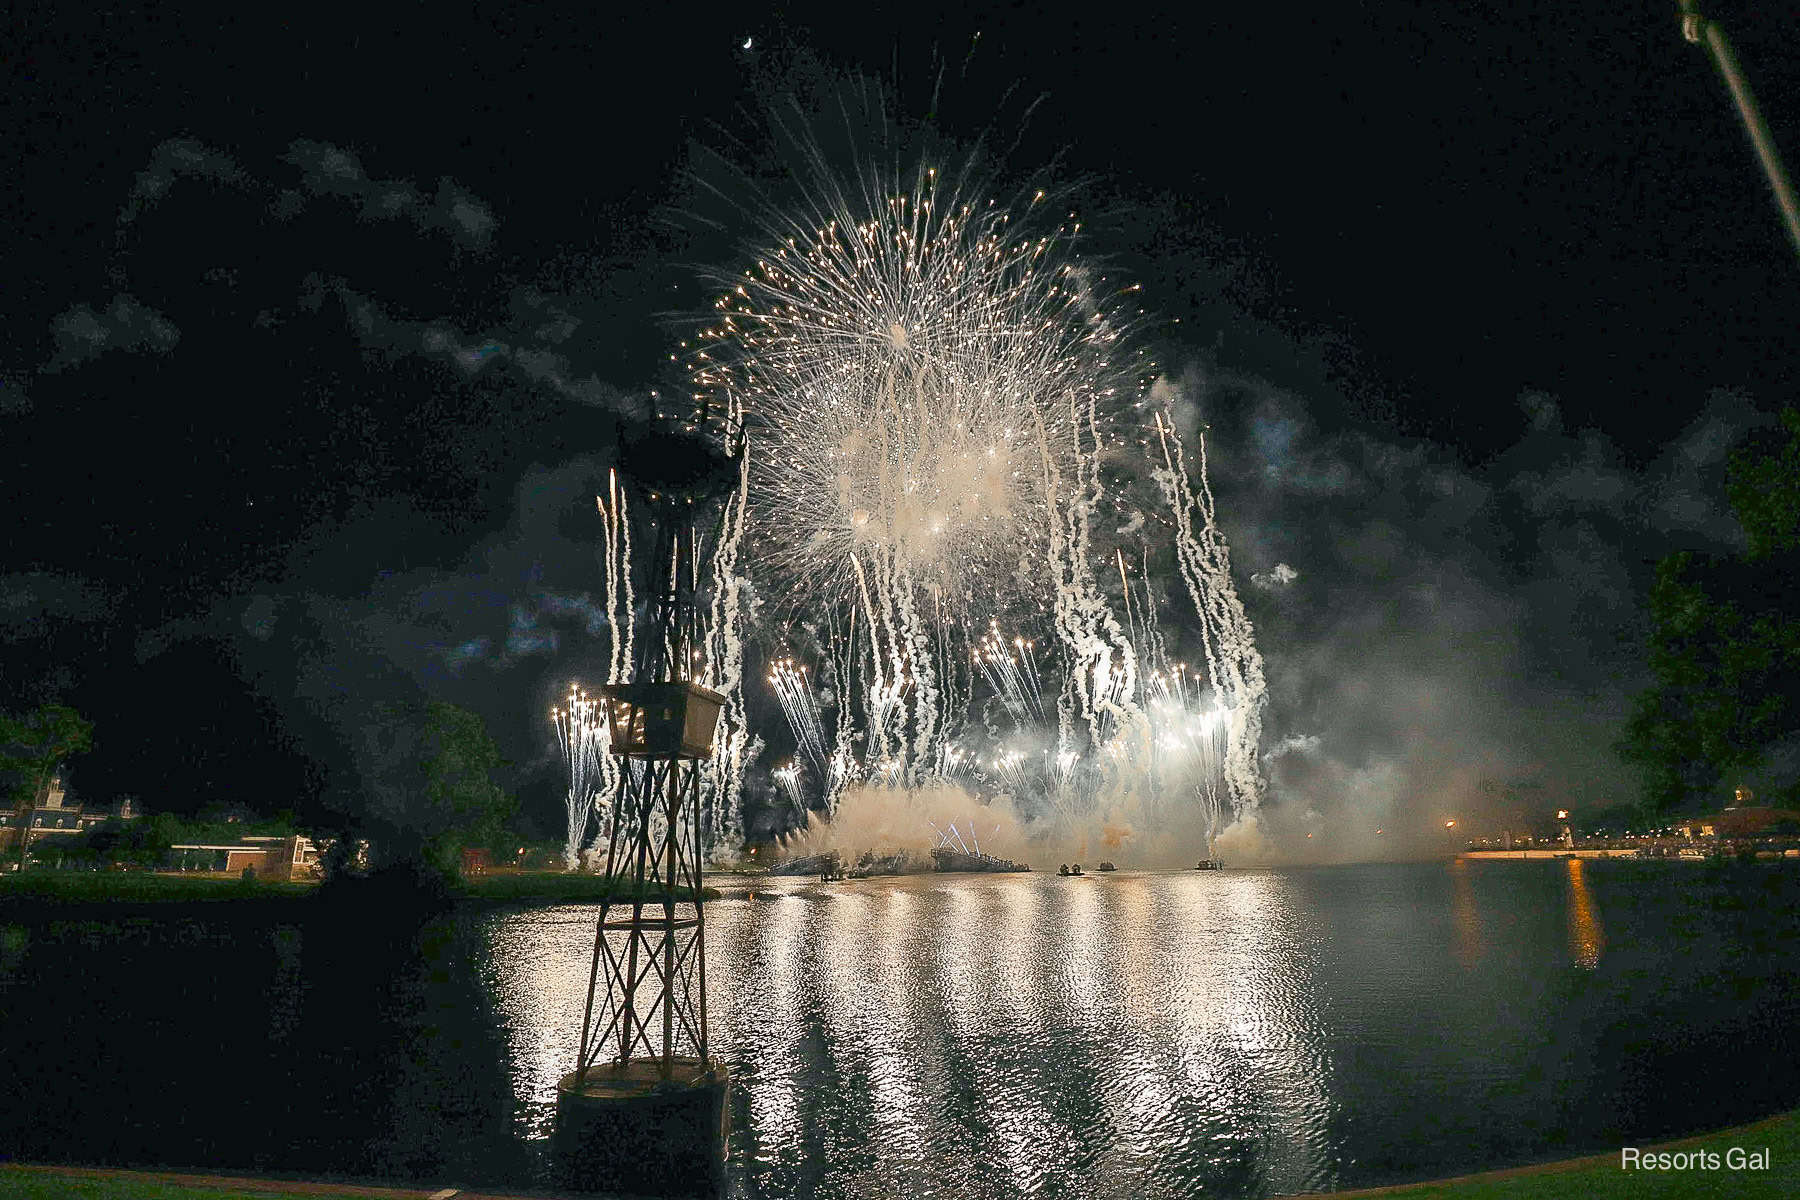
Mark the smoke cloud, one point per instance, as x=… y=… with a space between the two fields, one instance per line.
x=1444 y=640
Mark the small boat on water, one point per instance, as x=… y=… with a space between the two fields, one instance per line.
x=1106 y=866
x=1209 y=864
x=1066 y=869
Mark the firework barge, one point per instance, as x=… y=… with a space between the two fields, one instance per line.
x=944 y=859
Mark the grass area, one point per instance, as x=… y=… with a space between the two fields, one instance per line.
x=1597 y=1178
x=55 y=1187
x=29 y=1183
x=1602 y=1177
x=88 y=886
x=91 y=887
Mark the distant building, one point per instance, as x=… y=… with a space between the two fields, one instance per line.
x=58 y=816
x=280 y=858
x=1740 y=823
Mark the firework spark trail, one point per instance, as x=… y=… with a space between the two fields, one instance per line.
x=1012 y=673
x=1190 y=749
x=581 y=734
x=957 y=685
x=922 y=665
x=1118 y=699
x=801 y=707
x=1009 y=766
x=734 y=747
x=787 y=776
x=1032 y=676
x=843 y=748
x=1234 y=663
x=615 y=569
x=622 y=605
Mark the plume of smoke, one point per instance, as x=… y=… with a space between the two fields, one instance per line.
x=888 y=821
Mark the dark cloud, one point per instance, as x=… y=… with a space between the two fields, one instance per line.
x=82 y=334
x=175 y=159
x=1588 y=479
x=30 y=600
x=501 y=631
x=526 y=342
x=331 y=171
x=15 y=400
x=1688 y=494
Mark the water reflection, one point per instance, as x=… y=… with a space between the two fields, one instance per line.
x=1160 y=1035
x=1183 y=1034
x=1464 y=913
x=1153 y=1034
x=542 y=960
x=1586 y=937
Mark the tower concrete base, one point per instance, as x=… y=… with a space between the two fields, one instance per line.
x=627 y=1129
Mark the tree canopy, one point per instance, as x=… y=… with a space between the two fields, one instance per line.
x=1725 y=643
x=428 y=784
x=34 y=744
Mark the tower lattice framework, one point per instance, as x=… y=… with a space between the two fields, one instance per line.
x=646 y=997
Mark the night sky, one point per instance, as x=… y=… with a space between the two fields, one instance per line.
x=316 y=333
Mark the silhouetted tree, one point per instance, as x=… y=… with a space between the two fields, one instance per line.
x=430 y=786
x=32 y=747
x=1725 y=641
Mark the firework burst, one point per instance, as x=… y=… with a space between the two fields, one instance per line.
x=949 y=434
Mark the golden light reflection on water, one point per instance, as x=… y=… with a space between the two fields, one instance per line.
x=1465 y=914
x=1003 y=1025
x=1075 y=911
x=1240 y=1033
x=869 y=1012
x=785 y=953
x=543 y=958
x=1272 y=1031
x=1587 y=939
x=1107 y=1034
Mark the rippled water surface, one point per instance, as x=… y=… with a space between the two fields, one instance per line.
x=1239 y=1033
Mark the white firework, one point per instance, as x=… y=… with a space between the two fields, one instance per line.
x=581 y=734
x=948 y=432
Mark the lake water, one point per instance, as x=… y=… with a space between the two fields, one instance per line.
x=1236 y=1033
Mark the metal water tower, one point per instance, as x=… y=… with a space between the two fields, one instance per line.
x=644 y=1109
